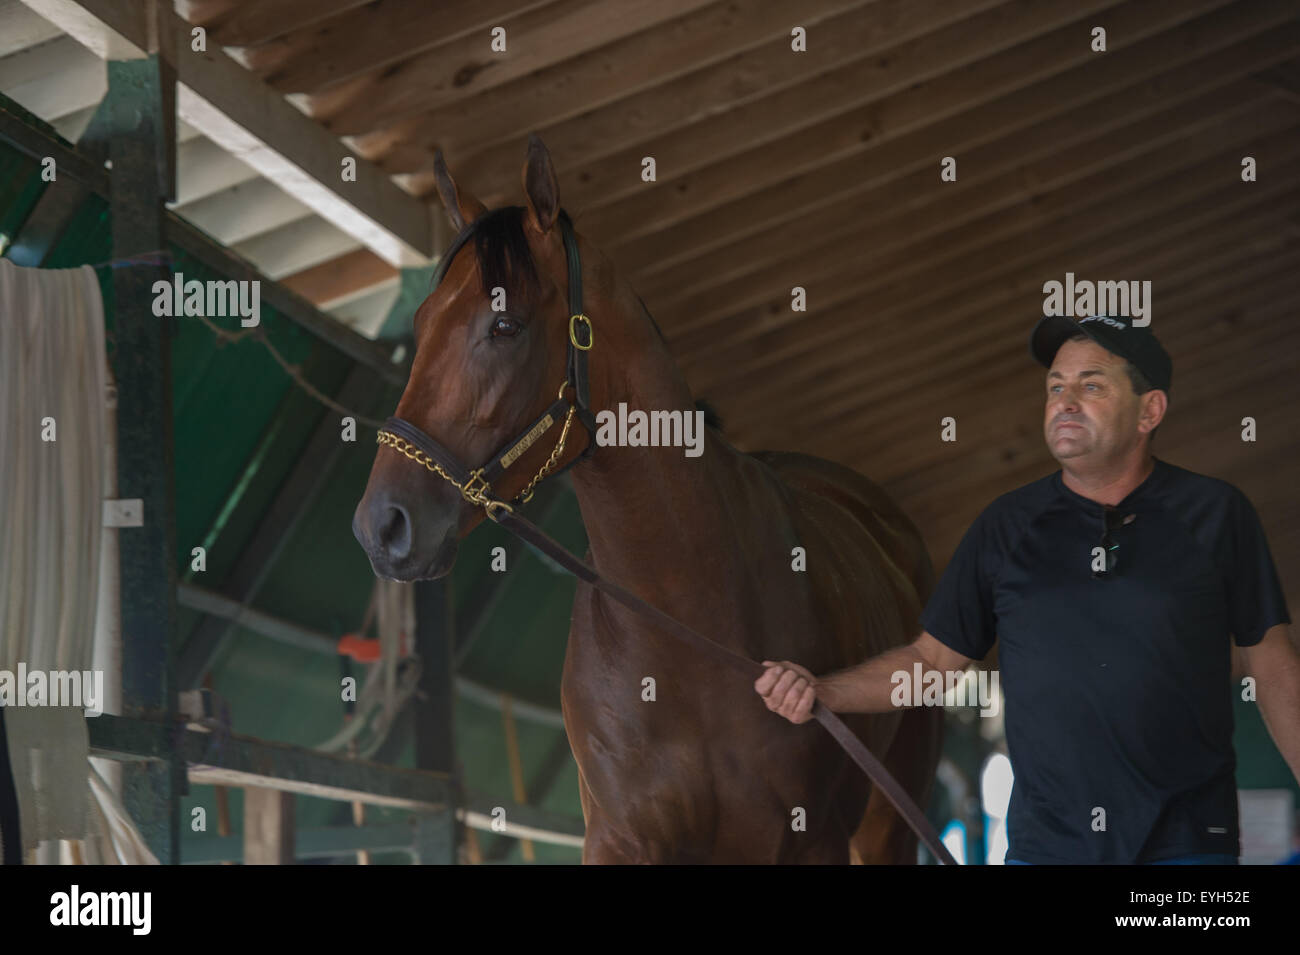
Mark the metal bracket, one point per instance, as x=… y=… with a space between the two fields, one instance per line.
x=125 y=512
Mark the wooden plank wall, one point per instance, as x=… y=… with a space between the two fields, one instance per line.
x=821 y=170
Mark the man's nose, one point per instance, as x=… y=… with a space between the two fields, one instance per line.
x=1067 y=399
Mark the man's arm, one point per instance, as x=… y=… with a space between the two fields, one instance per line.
x=790 y=690
x=1275 y=665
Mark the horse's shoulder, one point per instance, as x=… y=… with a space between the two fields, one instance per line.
x=862 y=498
x=828 y=478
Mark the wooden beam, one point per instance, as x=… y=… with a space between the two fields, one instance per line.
x=1208 y=428
x=62 y=199
x=1026 y=125
x=558 y=758
x=832 y=108
x=1285 y=77
x=914 y=445
x=268 y=826
x=21 y=29
x=803 y=346
x=139 y=126
x=870 y=401
x=1007 y=428
x=377 y=356
x=743 y=179
x=32 y=141
x=54 y=79
x=535 y=39
x=206 y=169
x=643 y=85
x=911 y=210
x=943 y=373
x=434 y=703
x=340 y=278
x=235 y=109
x=245 y=210
x=752 y=148
x=516 y=764
x=1165 y=248
x=905 y=309
x=918 y=247
x=257 y=21
x=207 y=12
x=840 y=400
x=372 y=37
x=296 y=245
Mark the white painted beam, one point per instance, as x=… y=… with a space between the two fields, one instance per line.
x=72 y=125
x=88 y=29
x=20 y=28
x=296 y=246
x=231 y=106
x=243 y=211
x=54 y=79
x=204 y=168
x=365 y=311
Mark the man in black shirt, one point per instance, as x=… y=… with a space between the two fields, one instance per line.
x=1114 y=586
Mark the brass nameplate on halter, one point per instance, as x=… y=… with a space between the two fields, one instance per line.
x=539 y=429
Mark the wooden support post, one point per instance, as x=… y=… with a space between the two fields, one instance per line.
x=141 y=127
x=434 y=707
x=268 y=827
x=516 y=770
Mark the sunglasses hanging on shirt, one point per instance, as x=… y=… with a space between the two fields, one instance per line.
x=1112 y=520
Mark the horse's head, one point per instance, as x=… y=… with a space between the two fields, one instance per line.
x=492 y=348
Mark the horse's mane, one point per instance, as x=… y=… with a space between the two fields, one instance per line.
x=504 y=257
x=501 y=249
x=505 y=260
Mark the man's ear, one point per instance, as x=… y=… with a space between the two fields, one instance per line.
x=1154 y=405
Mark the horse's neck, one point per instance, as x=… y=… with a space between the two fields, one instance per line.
x=651 y=513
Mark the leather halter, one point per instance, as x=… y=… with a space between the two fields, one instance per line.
x=476 y=485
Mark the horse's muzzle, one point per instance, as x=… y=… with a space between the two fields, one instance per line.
x=399 y=547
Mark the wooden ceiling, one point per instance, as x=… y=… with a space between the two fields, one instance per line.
x=821 y=169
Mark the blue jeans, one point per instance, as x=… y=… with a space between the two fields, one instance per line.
x=1206 y=859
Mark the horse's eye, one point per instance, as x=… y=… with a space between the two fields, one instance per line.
x=505 y=327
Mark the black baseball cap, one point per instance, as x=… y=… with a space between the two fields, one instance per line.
x=1118 y=335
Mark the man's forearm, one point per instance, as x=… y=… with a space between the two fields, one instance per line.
x=866 y=688
x=1279 y=704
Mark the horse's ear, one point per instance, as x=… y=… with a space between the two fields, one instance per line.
x=541 y=186
x=462 y=209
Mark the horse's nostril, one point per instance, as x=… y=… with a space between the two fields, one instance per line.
x=395 y=533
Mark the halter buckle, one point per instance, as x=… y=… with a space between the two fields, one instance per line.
x=573 y=332
x=476 y=495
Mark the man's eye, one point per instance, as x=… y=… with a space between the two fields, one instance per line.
x=505 y=327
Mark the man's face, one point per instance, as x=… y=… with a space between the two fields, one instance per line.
x=1092 y=413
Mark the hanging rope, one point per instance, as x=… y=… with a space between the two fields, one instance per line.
x=293 y=371
x=163 y=258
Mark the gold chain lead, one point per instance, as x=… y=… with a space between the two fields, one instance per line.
x=478 y=493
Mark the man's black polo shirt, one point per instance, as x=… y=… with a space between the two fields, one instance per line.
x=1118 y=692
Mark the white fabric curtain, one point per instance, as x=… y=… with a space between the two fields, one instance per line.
x=57 y=432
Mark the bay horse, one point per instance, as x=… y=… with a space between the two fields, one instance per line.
x=702 y=771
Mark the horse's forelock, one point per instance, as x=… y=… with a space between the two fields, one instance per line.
x=501 y=251
x=504 y=258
